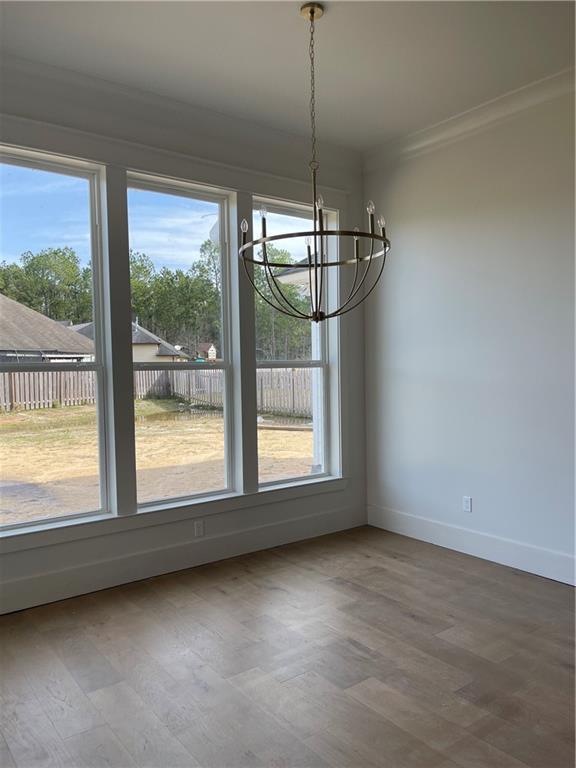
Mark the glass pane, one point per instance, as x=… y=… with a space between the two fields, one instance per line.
x=279 y=337
x=45 y=252
x=49 y=464
x=48 y=445
x=290 y=423
x=176 y=282
x=179 y=433
x=176 y=277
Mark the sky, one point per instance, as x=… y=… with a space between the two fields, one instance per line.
x=41 y=209
x=169 y=228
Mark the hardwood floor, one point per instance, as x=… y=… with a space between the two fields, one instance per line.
x=358 y=649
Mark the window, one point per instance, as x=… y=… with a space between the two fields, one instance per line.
x=291 y=355
x=51 y=412
x=178 y=342
x=108 y=277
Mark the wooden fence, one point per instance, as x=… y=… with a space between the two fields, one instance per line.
x=282 y=391
x=46 y=389
x=200 y=387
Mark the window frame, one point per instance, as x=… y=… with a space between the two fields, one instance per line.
x=109 y=183
x=91 y=173
x=321 y=363
x=178 y=188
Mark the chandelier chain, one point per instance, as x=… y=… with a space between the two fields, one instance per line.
x=310 y=274
x=314 y=160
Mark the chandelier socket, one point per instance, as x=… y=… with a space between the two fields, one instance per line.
x=312 y=11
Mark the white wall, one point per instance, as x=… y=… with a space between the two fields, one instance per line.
x=469 y=346
x=60 y=112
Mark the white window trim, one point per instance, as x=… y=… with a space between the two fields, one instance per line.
x=329 y=353
x=192 y=190
x=91 y=173
x=111 y=237
x=81 y=528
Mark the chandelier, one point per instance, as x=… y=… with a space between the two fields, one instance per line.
x=366 y=263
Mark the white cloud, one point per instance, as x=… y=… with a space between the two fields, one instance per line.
x=171 y=238
x=45 y=183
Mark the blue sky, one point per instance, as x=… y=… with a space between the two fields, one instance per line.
x=169 y=228
x=41 y=209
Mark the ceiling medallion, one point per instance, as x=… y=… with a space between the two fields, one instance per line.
x=317 y=261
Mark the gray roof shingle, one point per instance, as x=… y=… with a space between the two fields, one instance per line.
x=25 y=330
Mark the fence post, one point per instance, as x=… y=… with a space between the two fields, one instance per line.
x=11 y=391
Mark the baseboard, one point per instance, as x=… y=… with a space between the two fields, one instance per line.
x=550 y=563
x=49 y=586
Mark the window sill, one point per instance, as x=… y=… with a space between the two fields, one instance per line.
x=75 y=529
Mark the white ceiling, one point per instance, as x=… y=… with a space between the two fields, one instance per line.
x=384 y=69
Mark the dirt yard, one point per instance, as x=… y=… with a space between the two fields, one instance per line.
x=49 y=457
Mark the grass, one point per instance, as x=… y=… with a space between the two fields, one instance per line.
x=72 y=417
x=56 y=450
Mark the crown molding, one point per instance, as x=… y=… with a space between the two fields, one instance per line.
x=472 y=121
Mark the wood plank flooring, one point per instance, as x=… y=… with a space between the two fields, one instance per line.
x=358 y=649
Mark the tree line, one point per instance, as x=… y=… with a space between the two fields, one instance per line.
x=183 y=306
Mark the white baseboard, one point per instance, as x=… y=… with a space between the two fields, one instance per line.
x=516 y=554
x=58 y=584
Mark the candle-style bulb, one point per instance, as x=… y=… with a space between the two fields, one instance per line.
x=263 y=211
x=371 y=208
x=308 y=242
x=320 y=202
x=356 y=236
x=244 y=226
x=381 y=222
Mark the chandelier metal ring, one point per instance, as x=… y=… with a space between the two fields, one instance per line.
x=245 y=249
x=317 y=260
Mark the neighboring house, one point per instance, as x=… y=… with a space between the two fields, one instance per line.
x=295 y=275
x=146 y=346
x=30 y=336
x=206 y=351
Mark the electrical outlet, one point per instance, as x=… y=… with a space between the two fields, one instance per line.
x=466 y=503
x=198 y=529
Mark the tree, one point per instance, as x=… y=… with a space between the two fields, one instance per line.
x=51 y=282
x=181 y=306
x=279 y=336
x=11 y=280
x=208 y=264
x=142 y=277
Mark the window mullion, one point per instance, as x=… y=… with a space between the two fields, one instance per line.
x=243 y=355
x=333 y=412
x=119 y=381
x=319 y=363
